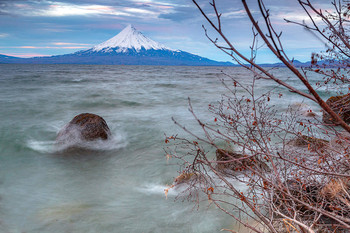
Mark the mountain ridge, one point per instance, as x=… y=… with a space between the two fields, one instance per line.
x=129 y=47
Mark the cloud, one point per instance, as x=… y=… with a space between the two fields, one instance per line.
x=67 y=43
x=46 y=8
x=26 y=55
x=234 y=14
x=26 y=47
x=135 y=11
x=58 y=9
x=53 y=24
x=180 y=14
x=45 y=47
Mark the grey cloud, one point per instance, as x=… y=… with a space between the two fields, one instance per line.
x=181 y=14
x=4 y=13
x=77 y=2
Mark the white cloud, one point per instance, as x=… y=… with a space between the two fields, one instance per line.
x=159 y=3
x=3 y=35
x=61 y=9
x=234 y=14
x=64 y=9
x=139 y=11
x=67 y=43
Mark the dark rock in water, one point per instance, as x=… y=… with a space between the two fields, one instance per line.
x=341 y=106
x=185 y=178
x=312 y=142
x=231 y=161
x=333 y=196
x=310 y=114
x=84 y=127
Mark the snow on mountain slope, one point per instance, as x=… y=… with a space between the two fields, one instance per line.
x=129 y=38
x=129 y=47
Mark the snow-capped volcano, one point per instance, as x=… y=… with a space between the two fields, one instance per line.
x=129 y=38
x=129 y=47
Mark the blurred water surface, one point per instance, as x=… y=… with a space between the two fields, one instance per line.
x=118 y=186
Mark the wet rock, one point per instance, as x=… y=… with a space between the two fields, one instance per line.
x=306 y=141
x=336 y=189
x=84 y=127
x=306 y=192
x=333 y=196
x=185 y=178
x=341 y=106
x=231 y=161
x=310 y=114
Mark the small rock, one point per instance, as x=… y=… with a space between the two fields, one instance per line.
x=335 y=189
x=84 y=127
x=304 y=140
x=223 y=157
x=310 y=114
x=185 y=177
x=341 y=106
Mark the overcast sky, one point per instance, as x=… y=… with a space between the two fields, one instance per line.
x=52 y=27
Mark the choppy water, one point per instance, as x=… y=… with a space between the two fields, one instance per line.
x=118 y=187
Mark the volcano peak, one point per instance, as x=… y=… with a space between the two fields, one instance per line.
x=129 y=38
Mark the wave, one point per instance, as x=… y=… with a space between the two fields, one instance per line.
x=169 y=85
x=304 y=109
x=114 y=143
x=41 y=146
x=158 y=189
x=184 y=189
x=107 y=104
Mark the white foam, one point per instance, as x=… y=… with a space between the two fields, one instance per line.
x=302 y=108
x=116 y=142
x=157 y=189
x=41 y=146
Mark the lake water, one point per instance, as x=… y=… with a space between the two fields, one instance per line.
x=119 y=185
